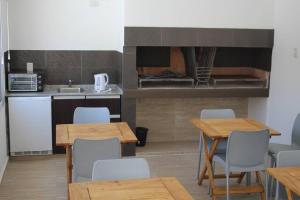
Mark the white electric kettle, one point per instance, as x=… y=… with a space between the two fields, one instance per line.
x=101 y=81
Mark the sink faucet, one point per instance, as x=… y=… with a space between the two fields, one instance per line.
x=70 y=83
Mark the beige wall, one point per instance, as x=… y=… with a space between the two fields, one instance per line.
x=169 y=119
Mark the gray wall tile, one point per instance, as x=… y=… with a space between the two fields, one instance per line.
x=179 y=37
x=215 y=37
x=88 y=74
x=142 y=36
x=118 y=58
x=63 y=66
x=129 y=73
x=18 y=59
x=99 y=59
x=253 y=38
x=94 y=62
x=149 y=36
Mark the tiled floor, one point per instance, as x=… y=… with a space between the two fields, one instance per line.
x=43 y=178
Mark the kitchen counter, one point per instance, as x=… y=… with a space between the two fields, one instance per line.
x=52 y=90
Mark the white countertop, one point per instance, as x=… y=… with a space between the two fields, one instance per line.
x=52 y=90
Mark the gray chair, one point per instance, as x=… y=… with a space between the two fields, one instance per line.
x=84 y=115
x=86 y=152
x=274 y=148
x=120 y=169
x=214 y=114
x=245 y=152
x=286 y=159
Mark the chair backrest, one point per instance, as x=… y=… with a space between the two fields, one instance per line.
x=86 y=152
x=84 y=115
x=217 y=113
x=296 y=131
x=286 y=159
x=247 y=149
x=118 y=169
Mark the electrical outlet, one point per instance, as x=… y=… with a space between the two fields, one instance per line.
x=94 y=3
x=29 y=67
x=295 y=53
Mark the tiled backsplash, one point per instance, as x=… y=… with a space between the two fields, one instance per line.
x=61 y=66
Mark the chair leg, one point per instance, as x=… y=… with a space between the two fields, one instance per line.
x=239 y=181
x=248 y=178
x=270 y=185
x=277 y=191
x=272 y=181
x=267 y=185
x=227 y=186
x=213 y=171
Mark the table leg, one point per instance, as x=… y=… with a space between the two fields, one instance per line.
x=69 y=163
x=289 y=194
x=208 y=158
x=69 y=167
x=260 y=182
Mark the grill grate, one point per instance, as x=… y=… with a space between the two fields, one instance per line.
x=204 y=64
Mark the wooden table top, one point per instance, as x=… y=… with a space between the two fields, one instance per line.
x=222 y=128
x=142 y=189
x=67 y=133
x=287 y=176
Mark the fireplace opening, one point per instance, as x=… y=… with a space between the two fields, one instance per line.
x=162 y=67
x=203 y=67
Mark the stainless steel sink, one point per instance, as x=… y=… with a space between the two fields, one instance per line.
x=70 y=90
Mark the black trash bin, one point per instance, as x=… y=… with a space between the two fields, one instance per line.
x=141 y=134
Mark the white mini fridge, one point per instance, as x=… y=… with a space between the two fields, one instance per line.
x=30 y=125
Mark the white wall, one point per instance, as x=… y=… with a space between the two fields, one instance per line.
x=281 y=108
x=284 y=101
x=65 y=25
x=257 y=109
x=200 y=13
x=76 y=25
x=3 y=47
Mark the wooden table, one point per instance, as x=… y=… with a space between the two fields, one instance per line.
x=143 y=189
x=217 y=129
x=289 y=177
x=67 y=133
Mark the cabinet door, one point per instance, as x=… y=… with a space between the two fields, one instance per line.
x=63 y=110
x=113 y=103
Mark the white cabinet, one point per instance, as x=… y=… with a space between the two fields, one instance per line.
x=30 y=125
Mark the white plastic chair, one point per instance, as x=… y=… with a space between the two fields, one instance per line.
x=84 y=115
x=214 y=114
x=86 y=152
x=246 y=152
x=275 y=148
x=120 y=169
x=286 y=159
